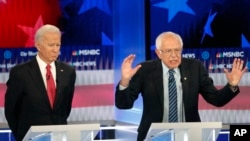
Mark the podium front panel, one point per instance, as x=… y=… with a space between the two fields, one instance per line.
x=74 y=132
x=184 y=131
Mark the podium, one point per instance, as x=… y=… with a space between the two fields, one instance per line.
x=184 y=131
x=72 y=132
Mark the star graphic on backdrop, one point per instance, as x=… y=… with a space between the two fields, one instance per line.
x=30 y=31
x=3 y=1
x=64 y=4
x=89 y=4
x=175 y=7
x=106 y=40
x=244 y=42
x=207 y=27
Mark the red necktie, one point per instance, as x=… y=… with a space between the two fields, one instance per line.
x=51 y=88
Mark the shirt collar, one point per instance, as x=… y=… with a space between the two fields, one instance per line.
x=166 y=69
x=42 y=64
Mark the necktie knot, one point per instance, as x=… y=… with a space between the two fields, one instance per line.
x=48 y=67
x=171 y=75
x=171 y=72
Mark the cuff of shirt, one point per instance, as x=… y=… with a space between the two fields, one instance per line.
x=121 y=87
x=233 y=88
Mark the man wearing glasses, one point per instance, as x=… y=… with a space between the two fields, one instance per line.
x=170 y=74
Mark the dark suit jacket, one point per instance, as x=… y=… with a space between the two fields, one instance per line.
x=26 y=100
x=149 y=82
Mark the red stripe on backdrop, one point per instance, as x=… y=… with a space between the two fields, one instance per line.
x=2 y=92
x=103 y=95
x=84 y=96
x=94 y=95
x=240 y=102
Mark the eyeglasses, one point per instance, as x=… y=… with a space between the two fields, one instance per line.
x=170 y=51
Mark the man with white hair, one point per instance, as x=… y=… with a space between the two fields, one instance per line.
x=40 y=91
x=170 y=85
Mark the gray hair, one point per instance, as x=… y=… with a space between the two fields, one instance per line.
x=163 y=35
x=45 y=29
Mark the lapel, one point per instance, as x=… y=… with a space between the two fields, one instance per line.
x=185 y=77
x=36 y=76
x=59 y=78
x=157 y=78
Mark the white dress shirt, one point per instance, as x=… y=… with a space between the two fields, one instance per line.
x=42 y=66
x=180 y=105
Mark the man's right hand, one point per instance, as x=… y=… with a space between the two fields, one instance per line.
x=127 y=70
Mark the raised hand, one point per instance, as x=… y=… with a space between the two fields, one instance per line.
x=127 y=70
x=236 y=73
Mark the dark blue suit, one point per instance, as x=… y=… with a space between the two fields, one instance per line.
x=149 y=82
x=26 y=100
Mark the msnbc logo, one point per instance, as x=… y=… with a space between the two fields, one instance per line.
x=230 y=54
x=86 y=52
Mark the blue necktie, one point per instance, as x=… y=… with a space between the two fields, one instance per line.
x=172 y=97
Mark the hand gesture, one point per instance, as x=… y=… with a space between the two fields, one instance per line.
x=237 y=72
x=127 y=70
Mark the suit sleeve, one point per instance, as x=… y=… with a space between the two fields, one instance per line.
x=72 y=89
x=124 y=99
x=213 y=95
x=12 y=99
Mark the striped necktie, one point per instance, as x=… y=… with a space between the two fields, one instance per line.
x=172 y=97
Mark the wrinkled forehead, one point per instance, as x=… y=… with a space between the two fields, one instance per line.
x=170 y=42
x=50 y=36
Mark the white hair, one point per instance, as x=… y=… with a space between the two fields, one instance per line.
x=45 y=29
x=162 y=36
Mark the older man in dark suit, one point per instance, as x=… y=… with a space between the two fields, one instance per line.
x=151 y=79
x=36 y=95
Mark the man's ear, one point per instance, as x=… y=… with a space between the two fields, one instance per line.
x=158 y=53
x=37 y=45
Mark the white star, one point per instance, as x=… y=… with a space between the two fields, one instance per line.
x=174 y=7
